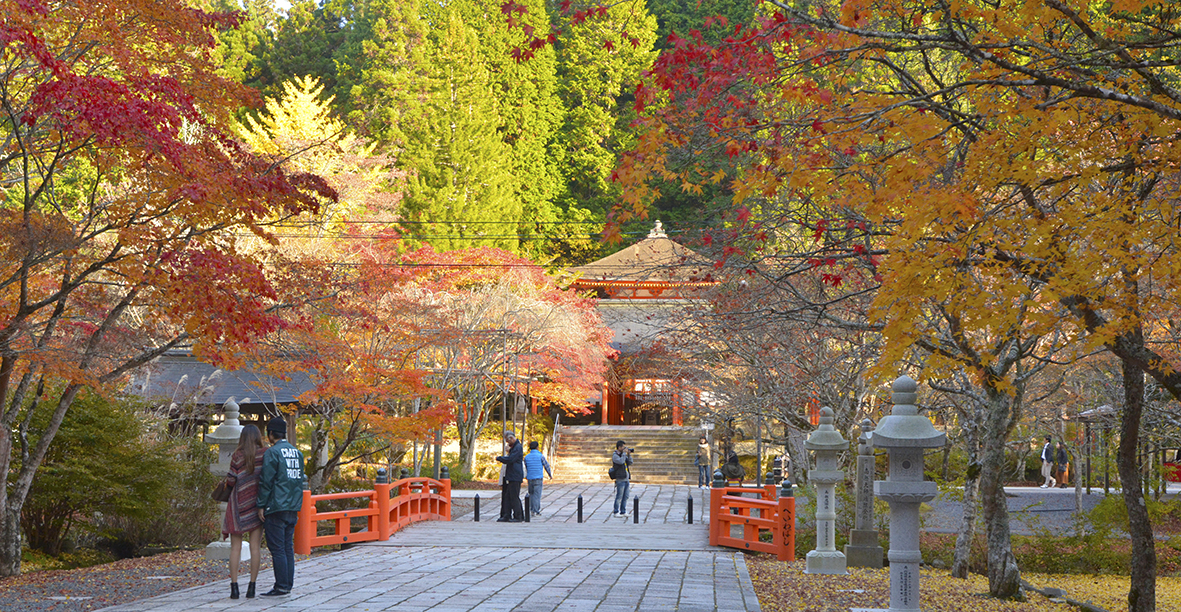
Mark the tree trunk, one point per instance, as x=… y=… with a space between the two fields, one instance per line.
x=13 y=498
x=963 y=540
x=1142 y=593
x=469 y=435
x=1004 y=578
x=10 y=543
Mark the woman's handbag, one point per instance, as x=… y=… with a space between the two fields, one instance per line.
x=222 y=491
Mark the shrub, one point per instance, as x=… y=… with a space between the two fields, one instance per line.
x=187 y=515
x=102 y=460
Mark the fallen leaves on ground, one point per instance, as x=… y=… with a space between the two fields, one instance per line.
x=784 y=587
x=1108 y=592
x=127 y=580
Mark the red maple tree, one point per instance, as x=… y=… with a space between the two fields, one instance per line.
x=122 y=188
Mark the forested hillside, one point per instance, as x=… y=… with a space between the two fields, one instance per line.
x=488 y=150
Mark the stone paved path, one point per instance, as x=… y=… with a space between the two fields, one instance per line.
x=605 y=564
x=658 y=503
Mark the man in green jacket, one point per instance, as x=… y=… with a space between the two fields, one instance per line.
x=280 y=498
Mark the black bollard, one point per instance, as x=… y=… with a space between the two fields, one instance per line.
x=527 y=508
x=636 y=510
x=580 y=507
x=477 y=511
x=690 y=508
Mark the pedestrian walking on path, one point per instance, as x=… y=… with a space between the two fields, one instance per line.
x=1048 y=464
x=534 y=463
x=1062 y=466
x=621 y=459
x=242 y=517
x=280 y=498
x=703 y=463
x=510 y=482
x=733 y=471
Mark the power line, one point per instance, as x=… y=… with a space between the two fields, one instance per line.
x=452 y=222
x=455 y=236
x=351 y=264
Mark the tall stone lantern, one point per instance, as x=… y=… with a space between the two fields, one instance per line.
x=863 y=549
x=225 y=437
x=904 y=434
x=826 y=442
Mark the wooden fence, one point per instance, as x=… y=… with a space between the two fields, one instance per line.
x=413 y=500
x=775 y=514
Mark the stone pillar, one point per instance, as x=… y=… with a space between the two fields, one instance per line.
x=827 y=443
x=863 y=549
x=225 y=436
x=904 y=434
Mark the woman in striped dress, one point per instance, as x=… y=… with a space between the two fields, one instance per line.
x=241 y=511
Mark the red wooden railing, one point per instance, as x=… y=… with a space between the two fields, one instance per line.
x=776 y=515
x=416 y=499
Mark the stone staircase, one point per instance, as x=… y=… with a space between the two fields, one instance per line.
x=664 y=455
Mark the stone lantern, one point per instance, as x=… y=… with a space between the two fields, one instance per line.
x=225 y=436
x=827 y=443
x=863 y=549
x=904 y=434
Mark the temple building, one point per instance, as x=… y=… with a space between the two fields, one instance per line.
x=641 y=289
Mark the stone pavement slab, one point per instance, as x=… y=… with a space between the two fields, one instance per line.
x=540 y=534
x=492 y=579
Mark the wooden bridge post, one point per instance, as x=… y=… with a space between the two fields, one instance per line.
x=381 y=490
x=305 y=525
x=715 y=511
x=787 y=524
x=445 y=491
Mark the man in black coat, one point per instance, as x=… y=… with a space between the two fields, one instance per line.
x=510 y=484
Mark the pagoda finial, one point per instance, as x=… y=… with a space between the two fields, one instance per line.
x=657 y=231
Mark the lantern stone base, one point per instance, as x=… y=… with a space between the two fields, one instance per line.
x=825 y=562
x=863 y=549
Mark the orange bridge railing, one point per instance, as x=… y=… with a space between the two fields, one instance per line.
x=413 y=500
x=776 y=514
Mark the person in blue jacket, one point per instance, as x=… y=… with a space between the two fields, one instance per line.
x=534 y=463
x=510 y=483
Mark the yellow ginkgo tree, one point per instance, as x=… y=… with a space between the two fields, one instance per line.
x=298 y=130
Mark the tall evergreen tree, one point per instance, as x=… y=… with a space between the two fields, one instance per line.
x=461 y=191
x=598 y=70
x=241 y=51
x=684 y=16
x=379 y=67
x=530 y=109
x=305 y=41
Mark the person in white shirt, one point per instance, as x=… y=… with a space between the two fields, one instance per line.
x=1048 y=464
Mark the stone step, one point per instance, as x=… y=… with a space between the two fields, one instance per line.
x=663 y=455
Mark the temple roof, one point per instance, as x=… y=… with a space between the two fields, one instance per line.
x=656 y=258
x=178 y=376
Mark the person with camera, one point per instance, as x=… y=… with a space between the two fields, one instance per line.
x=620 y=460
